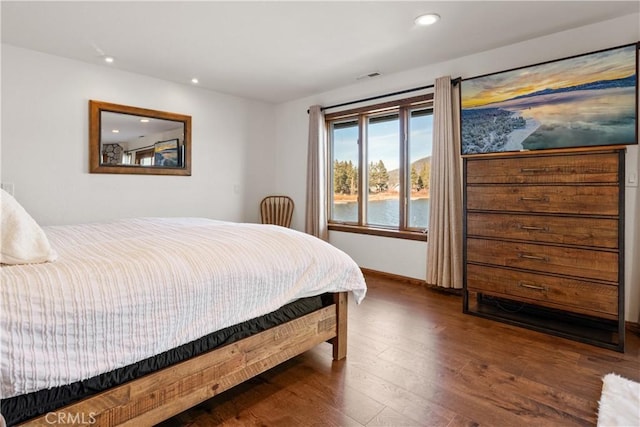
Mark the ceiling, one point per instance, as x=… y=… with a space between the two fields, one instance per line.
x=278 y=51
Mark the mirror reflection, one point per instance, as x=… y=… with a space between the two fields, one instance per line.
x=137 y=140
x=126 y=139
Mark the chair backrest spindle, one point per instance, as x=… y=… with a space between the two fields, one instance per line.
x=277 y=210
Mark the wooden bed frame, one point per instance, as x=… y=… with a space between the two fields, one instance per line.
x=165 y=393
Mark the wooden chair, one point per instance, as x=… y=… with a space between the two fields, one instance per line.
x=277 y=210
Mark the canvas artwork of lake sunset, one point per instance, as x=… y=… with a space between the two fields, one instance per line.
x=588 y=100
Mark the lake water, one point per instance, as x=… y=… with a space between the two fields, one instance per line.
x=385 y=212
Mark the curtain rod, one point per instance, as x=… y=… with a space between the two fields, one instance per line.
x=372 y=98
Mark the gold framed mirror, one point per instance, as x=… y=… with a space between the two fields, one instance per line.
x=132 y=140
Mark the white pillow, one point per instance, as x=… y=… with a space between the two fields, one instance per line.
x=23 y=241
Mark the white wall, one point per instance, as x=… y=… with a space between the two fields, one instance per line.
x=45 y=144
x=408 y=258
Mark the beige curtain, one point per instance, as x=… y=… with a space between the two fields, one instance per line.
x=316 y=202
x=444 y=250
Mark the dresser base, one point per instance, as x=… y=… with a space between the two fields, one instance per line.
x=587 y=329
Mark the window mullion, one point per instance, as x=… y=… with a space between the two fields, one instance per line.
x=362 y=170
x=404 y=155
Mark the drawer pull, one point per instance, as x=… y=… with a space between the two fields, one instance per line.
x=533 y=228
x=533 y=170
x=534 y=199
x=531 y=286
x=534 y=257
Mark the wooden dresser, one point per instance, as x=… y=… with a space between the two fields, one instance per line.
x=544 y=242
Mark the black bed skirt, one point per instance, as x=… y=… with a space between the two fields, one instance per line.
x=18 y=409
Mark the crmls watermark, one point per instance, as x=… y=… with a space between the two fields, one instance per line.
x=67 y=418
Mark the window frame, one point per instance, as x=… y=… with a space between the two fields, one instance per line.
x=403 y=108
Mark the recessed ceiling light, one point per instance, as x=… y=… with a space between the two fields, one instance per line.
x=109 y=59
x=144 y=120
x=115 y=131
x=194 y=81
x=427 y=19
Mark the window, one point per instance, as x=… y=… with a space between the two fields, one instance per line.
x=144 y=157
x=382 y=183
x=345 y=171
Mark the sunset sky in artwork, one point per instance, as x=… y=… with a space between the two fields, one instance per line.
x=608 y=65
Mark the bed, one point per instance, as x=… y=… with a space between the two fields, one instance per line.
x=122 y=293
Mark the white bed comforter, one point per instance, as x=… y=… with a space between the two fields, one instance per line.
x=126 y=290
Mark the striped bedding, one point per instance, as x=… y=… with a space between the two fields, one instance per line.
x=127 y=290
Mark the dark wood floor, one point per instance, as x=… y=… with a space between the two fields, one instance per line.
x=415 y=360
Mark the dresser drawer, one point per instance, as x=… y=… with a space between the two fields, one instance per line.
x=574 y=168
x=596 y=232
x=587 y=200
x=584 y=263
x=556 y=292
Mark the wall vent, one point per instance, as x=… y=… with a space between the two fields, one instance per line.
x=368 y=76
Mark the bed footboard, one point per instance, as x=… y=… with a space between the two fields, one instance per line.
x=163 y=394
